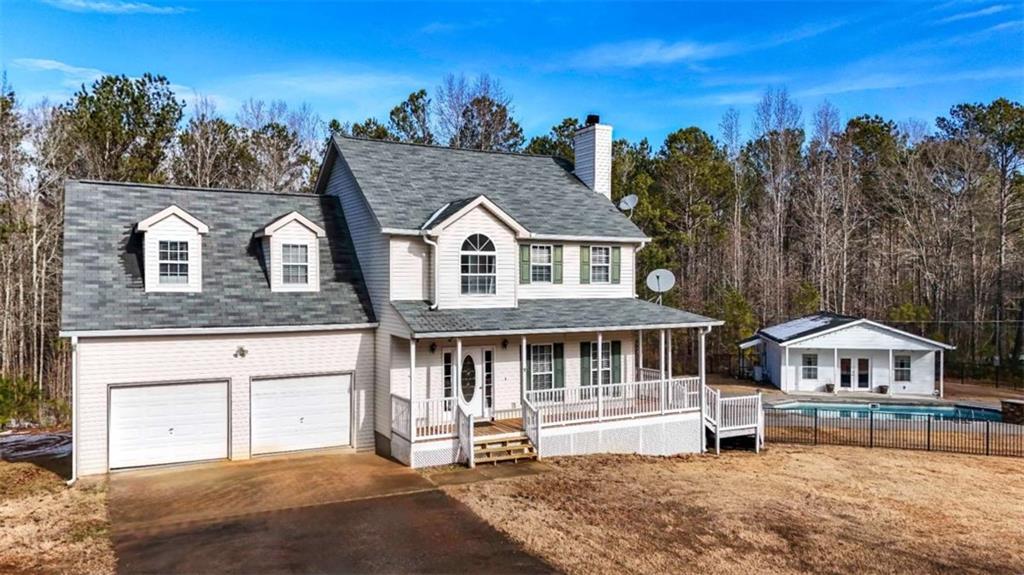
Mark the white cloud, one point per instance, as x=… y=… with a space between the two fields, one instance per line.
x=439 y=27
x=902 y=79
x=114 y=7
x=72 y=76
x=994 y=9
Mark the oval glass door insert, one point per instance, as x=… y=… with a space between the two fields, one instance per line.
x=468 y=378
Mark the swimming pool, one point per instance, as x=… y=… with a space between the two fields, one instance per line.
x=893 y=410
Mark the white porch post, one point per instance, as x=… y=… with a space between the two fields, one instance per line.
x=523 y=376
x=785 y=373
x=457 y=371
x=942 y=369
x=700 y=372
x=670 y=354
x=892 y=379
x=412 y=390
x=661 y=354
x=835 y=370
x=600 y=379
x=640 y=337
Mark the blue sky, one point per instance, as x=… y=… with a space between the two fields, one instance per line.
x=647 y=68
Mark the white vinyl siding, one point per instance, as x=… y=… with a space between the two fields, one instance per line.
x=172 y=229
x=104 y=362
x=410 y=269
x=296 y=413
x=571 y=287
x=477 y=221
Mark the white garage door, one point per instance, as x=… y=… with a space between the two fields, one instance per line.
x=174 y=423
x=296 y=413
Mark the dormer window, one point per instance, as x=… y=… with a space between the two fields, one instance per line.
x=172 y=251
x=291 y=248
x=479 y=266
x=295 y=259
x=173 y=260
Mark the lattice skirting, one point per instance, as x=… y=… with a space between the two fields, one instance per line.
x=432 y=453
x=668 y=435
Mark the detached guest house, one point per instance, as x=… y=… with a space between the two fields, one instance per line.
x=432 y=304
x=831 y=352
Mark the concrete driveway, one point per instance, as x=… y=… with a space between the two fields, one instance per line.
x=324 y=513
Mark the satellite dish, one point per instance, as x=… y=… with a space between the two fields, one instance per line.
x=629 y=202
x=660 y=281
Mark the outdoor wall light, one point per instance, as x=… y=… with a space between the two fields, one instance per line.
x=241 y=352
x=504 y=343
x=433 y=347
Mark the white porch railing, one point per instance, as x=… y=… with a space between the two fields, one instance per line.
x=400 y=417
x=615 y=401
x=648 y=374
x=739 y=412
x=532 y=422
x=435 y=418
x=711 y=397
x=465 y=430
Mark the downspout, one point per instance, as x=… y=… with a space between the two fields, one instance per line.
x=433 y=268
x=74 y=411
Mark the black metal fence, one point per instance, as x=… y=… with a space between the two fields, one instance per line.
x=918 y=431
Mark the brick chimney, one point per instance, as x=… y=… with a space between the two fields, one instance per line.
x=593 y=147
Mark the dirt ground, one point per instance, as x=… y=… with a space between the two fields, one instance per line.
x=788 y=510
x=47 y=527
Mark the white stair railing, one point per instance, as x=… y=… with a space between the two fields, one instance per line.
x=464 y=423
x=532 y=422
x=401 y=421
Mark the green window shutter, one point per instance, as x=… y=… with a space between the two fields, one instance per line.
x=524 y=264
x=584 y=363
x=559 y=354
x=616 y=362
x=584 y=264
x=556 y=264
x=529 y=367
x=616 y=264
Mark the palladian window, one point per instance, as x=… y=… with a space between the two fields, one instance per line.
x=479 y=267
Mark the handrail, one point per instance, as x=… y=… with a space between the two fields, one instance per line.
x=738 y=412
x=616 y=400
x=435 y=418
x=533 y=420
x=465 y=432
x=401 y=416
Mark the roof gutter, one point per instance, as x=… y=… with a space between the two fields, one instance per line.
x=557 y=330
x=433 y=265
x=74 y=411
x=256 y=329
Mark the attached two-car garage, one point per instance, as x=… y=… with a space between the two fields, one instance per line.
x=187 y=422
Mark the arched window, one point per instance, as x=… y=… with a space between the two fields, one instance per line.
x=479 y=271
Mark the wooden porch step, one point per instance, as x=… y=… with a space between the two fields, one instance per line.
x=514 y=457
x=478 y=451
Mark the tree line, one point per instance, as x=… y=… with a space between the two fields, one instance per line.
x=770 y=217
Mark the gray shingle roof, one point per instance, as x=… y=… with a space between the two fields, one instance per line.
x=103 y=284
x=539 y=315
x=406 y=183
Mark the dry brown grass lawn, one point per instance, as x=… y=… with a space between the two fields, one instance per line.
x=47 y=527
x=789 y=510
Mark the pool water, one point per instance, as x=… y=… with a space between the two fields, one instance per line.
x=894 y=411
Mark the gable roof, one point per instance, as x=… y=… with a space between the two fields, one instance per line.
x=172 y=211
x=823 y=322
x=455 y=210
x=406 y=184
x=288 y=218
x=103 y=283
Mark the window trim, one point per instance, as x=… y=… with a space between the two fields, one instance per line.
x=806 y=367
x=606 y=355
x=479 y=252
x=550 y=265
x=285 y=264
x=607 y=265
x=160 y=262
x=908 y=370
x=533 y=366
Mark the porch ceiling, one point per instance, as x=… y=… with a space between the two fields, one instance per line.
x=546 y=316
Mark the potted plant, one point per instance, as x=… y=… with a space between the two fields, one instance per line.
x=883 y=389
x=830 y=387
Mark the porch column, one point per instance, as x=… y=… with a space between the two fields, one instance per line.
x=640 y=337
x=457 y=371
x=703 y=382
x=523 y=376
x=892 y=378
x=600 y=380
x=661 y=354
x=412 y=390
x=670 y=354
x=785 y=373
x=942 y=369
x=835 y=371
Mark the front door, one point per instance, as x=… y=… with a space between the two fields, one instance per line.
x=471 y=381
x=845 y=377
x=863 y=373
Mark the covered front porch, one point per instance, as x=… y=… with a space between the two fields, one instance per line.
x=558 y=389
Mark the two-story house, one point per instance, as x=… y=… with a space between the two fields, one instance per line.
x=433 y=304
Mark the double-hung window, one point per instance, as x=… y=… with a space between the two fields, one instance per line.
x=479 y=267
x=542 y=366
x=173 y=260
x=602 y=372
x=901 y=368
x=809 y=366
x=600 y=264
x=295 y=262
x=540 y=264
